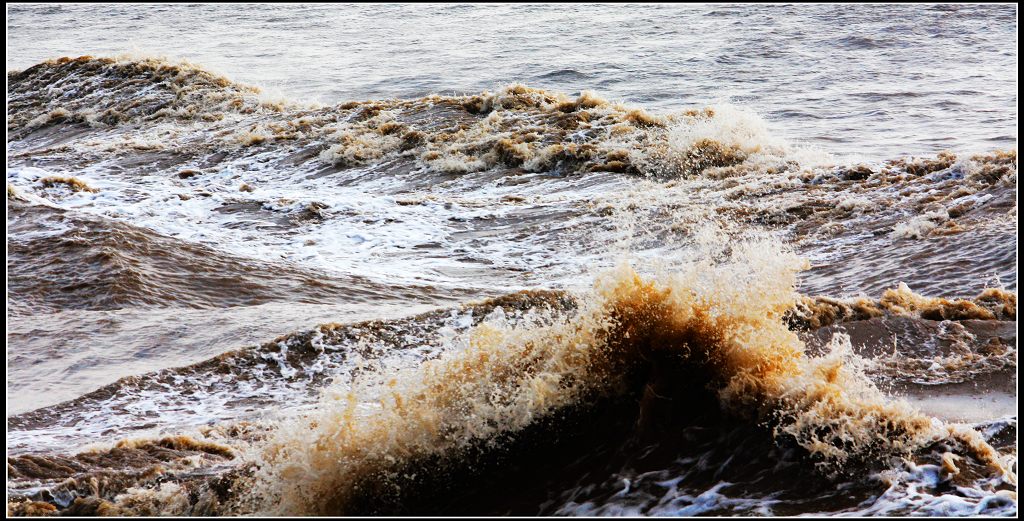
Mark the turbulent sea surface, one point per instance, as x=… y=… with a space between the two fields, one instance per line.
x=605 y=260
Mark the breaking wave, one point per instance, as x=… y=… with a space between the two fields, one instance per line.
x=706 y=346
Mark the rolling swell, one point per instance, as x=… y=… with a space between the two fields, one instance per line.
x=539 y=163
x=94 y=263
x=93 y=299
x=517 y=127
x=103 y=91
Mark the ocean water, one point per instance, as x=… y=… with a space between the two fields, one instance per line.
x=873 y=82
x=509 y=259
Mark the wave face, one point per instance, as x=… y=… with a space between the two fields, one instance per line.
x=513 y=302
